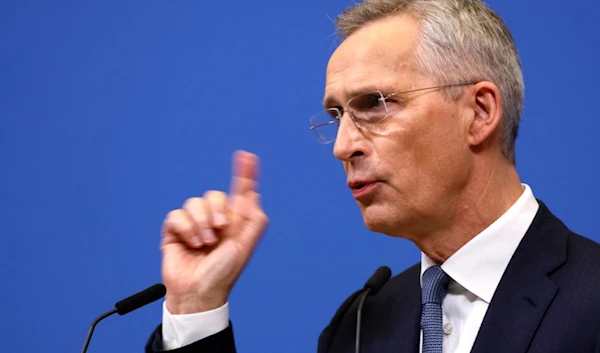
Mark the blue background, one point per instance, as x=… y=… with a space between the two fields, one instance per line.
x=115 y=112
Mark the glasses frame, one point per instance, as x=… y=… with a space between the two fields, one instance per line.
x=340 y=112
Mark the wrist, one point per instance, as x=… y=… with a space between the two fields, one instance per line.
x=192 y=303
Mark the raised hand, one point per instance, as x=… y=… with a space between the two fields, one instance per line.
x=207 y=243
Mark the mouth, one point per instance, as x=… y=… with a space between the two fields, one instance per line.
x=361 y=189
x=358 y=184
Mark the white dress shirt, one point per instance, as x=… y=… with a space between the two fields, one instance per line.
x=182 y=330
x=475 y=271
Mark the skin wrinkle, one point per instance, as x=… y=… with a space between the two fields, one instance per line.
x=481 y=221
x=442 y=162
x=417 y=184
x=409 y=110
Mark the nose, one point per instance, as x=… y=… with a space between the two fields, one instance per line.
x=350 y=141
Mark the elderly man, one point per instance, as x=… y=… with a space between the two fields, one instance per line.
x=423 y=100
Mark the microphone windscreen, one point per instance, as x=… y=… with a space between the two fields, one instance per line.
x=379 y=278
x=140 y=299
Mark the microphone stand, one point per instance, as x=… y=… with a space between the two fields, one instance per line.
x=363 y=298
x=93 y=326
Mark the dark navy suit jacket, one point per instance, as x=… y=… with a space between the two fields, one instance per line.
x=548 y=301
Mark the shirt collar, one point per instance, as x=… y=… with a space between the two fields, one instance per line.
x=479 y=265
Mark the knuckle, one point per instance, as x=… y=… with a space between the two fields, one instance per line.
x=186 y=228
x=217 y=201
x=193 y=203
x=262 y=216
x=214 y=196
x=177 y=222
x=171 y=215
x=200 y=218
x=173 y=218
x=196 y=208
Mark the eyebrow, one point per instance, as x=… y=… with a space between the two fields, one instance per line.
x=330 y=101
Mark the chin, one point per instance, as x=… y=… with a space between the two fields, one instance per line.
x=380 y=220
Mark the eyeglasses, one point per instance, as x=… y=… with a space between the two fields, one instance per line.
x=365 y=110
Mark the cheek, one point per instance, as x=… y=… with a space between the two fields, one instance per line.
x=422 y=149
x=440 y=149
x=395 y=149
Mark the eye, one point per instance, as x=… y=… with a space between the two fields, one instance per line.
x=369 y=107
x=367 y=101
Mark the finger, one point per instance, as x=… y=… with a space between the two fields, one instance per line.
x=199 y=212
x=255 y=218
x=178 y=226
x=246 y=205
x=245 y=173
x=217 y=204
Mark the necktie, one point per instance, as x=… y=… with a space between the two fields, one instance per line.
x=435 y=284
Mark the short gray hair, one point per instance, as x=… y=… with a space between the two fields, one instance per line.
x=461 y=40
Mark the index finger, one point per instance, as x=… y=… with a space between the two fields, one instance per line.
x=245 y=173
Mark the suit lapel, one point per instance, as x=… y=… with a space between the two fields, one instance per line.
x=516 y=309
x=525 y=292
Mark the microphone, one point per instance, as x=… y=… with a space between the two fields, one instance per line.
x=127 y=305
x=372 y=287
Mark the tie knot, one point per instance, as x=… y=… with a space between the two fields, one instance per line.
x=435 y=285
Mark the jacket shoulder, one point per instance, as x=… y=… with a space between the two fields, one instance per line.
x=346 y=314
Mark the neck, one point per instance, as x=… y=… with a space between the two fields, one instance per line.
x=487 y=196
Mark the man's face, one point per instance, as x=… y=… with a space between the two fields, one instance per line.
x=417 y=162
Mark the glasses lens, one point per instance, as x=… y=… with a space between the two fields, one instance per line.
x=325 y=125
x=368 y=108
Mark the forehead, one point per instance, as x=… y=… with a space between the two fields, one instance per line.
x=379 y=55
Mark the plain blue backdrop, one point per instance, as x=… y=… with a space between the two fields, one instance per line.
x=115 y=112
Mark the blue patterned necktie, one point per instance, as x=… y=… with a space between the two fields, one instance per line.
x=435 y=284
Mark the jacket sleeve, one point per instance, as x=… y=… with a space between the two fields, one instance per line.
x=222 y=342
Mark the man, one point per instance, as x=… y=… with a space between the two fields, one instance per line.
x=423 y=100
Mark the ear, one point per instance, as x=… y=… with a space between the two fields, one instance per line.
x=487 y=112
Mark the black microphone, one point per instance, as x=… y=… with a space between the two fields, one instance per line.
x=373 y=285
x=127 y=305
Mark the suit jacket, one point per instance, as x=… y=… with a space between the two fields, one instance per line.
x=548 y=301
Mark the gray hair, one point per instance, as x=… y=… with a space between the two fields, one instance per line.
x=461 y=40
